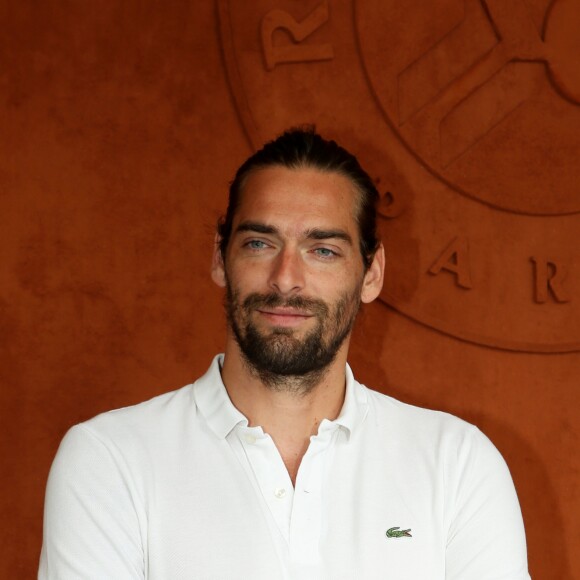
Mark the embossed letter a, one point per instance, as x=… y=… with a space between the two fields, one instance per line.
x=455 y=259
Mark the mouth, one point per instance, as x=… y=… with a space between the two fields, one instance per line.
x=287 y=317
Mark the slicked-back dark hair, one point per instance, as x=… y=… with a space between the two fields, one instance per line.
x=299 y=148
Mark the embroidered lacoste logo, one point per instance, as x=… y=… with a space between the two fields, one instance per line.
x=398 y=533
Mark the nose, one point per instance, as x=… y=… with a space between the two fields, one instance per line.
x=287 y=274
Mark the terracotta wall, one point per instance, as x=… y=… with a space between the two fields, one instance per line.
x=121 y=124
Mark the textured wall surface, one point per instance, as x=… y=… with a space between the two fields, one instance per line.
x=121 y=124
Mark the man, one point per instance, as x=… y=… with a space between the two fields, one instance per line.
x=277 y=463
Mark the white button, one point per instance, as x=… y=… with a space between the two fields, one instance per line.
x=250 y=439
x=280 y=492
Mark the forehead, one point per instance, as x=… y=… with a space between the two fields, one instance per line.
x=299 y=198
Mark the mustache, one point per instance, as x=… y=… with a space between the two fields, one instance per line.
x=273 y=300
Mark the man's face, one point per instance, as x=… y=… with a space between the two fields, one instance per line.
x=293 y=271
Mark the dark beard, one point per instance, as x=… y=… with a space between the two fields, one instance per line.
x=280 y=360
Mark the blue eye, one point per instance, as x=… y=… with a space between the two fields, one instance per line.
x=256 y=244
x=325 y=252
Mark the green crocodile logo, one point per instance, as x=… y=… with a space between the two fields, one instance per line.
x=398 y=533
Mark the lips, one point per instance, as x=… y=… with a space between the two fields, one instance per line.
x=284 y=312
x=275 y=306
x=284 y=316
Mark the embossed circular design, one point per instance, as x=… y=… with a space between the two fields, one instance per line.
x=290 y=63
x=562 y=38
x=481 y=92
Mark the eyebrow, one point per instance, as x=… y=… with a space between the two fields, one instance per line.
x=319 y=234
x=256 y=227
x=311 y=234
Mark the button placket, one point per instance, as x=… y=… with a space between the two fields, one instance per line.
x=306 y=522
x=271 y=476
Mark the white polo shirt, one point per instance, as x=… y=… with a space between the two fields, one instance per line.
x=180 y=487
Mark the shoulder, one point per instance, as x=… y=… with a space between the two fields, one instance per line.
x=146 y=432
x=450 y=439
x=152 y=422
x=149 y=417
x=128 y=436
x=443 y=449
x=412 y=418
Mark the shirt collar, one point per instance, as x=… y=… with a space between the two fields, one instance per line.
x=213 y=402
x=355 y=406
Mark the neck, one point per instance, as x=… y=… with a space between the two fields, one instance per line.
x=289 y=409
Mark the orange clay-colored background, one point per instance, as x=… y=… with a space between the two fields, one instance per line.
x=121 y=124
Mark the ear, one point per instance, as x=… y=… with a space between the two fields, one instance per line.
x=218 y=273
x=374 y=276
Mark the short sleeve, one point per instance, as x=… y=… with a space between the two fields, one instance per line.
x=486 y=539
x=91 y=516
